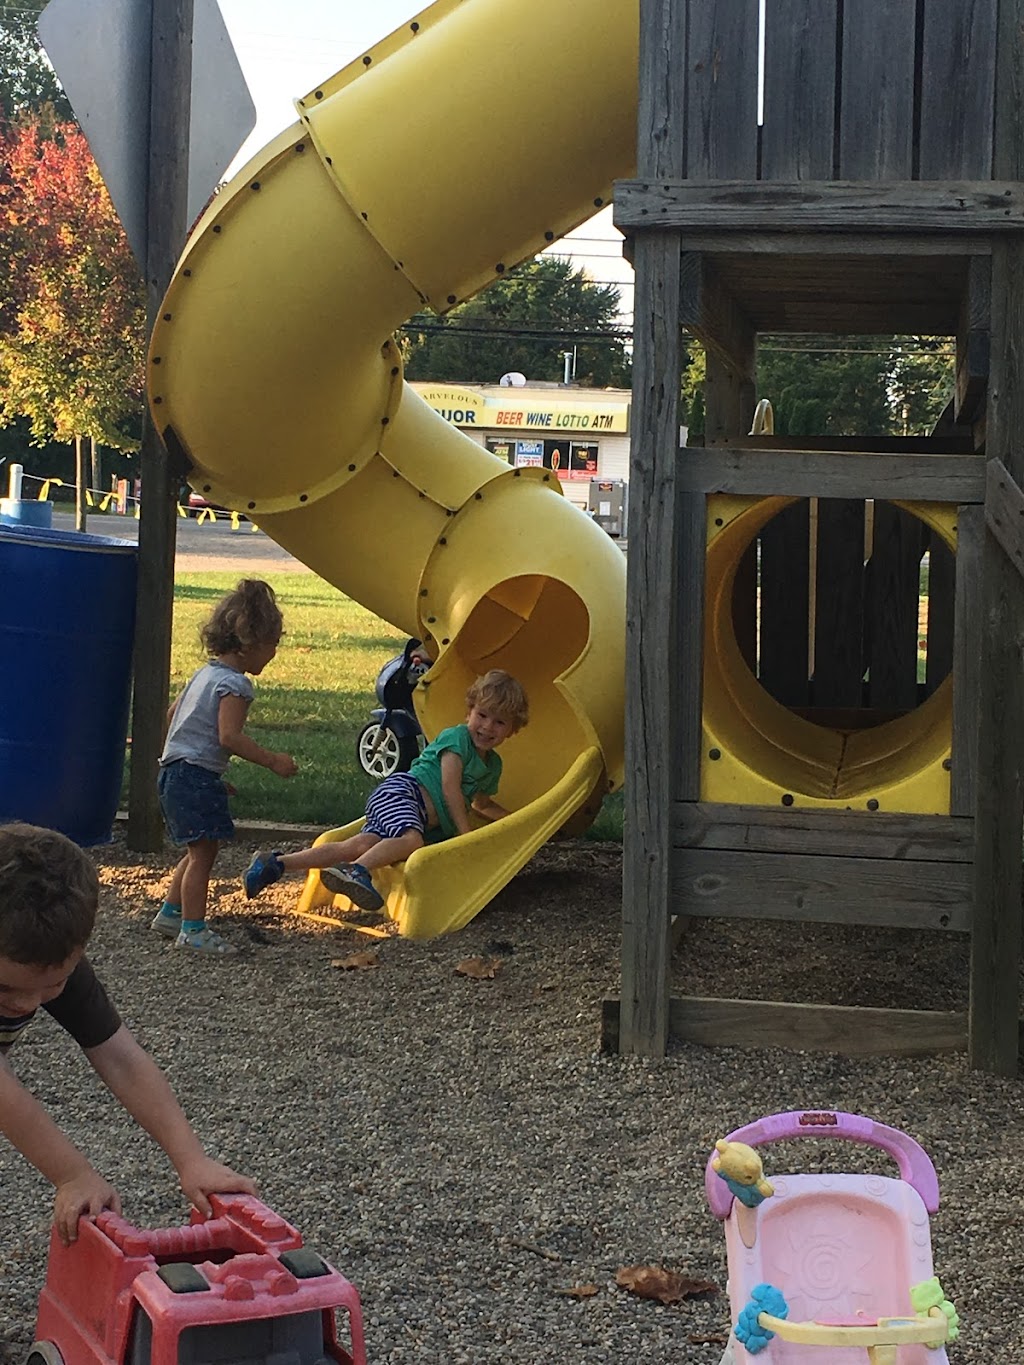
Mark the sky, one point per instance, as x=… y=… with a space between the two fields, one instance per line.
x=285 y=47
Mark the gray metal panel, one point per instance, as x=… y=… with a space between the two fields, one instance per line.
x=100 y=50
x=223 y=113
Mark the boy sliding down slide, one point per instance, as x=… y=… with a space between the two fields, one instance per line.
x=456 y=771
x=48 y=897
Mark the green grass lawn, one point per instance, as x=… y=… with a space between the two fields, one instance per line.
x=311 y=701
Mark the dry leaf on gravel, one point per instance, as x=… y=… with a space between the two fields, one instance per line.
x=356 y=962
x=479 y=968
x=655 y=1282
x=579 y=1291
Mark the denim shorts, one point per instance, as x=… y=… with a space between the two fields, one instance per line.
x=194 y=802
x=395 y=807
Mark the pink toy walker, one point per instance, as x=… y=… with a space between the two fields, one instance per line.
x=829 y=1269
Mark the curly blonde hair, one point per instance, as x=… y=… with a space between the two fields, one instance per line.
x=499 y=692
x=245 y=617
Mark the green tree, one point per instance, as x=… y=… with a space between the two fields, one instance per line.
x=921 y=378
x=839 y=385
x=27 y=80
x=525 y=320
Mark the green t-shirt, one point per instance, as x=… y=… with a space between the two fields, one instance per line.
x=480 y=774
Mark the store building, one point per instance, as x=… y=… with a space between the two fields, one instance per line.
x=580 y=434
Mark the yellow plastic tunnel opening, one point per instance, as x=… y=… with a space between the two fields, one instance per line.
x=757 y=751
x=536 y=628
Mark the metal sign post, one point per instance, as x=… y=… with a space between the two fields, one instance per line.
x=163 y=128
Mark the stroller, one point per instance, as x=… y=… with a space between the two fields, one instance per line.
x=392 y=739
x=829 y=1269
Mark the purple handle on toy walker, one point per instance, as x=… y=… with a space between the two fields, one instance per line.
x=914 y=1164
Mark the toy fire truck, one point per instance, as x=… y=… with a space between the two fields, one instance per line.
x=235 y=1289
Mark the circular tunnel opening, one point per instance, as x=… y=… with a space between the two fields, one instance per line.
x=535 y=627
x=828 y=652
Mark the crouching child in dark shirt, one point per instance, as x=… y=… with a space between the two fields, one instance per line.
x=48 y=897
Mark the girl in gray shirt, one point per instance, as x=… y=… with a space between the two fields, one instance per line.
x=206 y=726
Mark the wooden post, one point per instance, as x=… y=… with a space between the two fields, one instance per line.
x=652 y=568
x=996 y=935
x=80 y=485
x=170 y=99
x=95 y=466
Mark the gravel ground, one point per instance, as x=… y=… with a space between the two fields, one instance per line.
x=461 y=1150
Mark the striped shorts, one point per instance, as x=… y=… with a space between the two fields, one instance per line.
x=396 y=807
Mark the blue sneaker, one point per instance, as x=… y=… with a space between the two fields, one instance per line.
x=353 y=880
x=264 y=870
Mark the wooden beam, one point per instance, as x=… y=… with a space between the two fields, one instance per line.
x=941 y=597
x=846 y=474
x=849 y=1030
x=652 y=647
x=711 y=313
x=957 y=443
x=1004 y=512
x=973 y=340
x=785 y=554
x=718 y=883
x=996 y=940
x=914 y=206
x=167 y=223
x=652 y=576
x=845 y=245
x=970 y=533
x=839 y=834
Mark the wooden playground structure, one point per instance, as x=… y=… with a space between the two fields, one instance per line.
x=784 y=759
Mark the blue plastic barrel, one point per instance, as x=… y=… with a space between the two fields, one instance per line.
x=25 y=512
x=67 y=618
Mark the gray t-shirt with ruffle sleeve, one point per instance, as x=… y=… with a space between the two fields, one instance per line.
x=194 y=734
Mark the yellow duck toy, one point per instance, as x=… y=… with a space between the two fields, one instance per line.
x=741 y=1169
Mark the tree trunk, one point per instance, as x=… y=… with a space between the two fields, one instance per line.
x=80 y=485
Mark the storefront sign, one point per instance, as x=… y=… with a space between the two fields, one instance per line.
x=523 y=410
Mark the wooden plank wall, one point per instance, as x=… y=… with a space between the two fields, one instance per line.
x=876 y=115
x=866 y=610
x=917 y=117
x=799 y=89
x=955 y=138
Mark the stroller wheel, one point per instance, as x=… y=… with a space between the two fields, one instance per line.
x=381 y=752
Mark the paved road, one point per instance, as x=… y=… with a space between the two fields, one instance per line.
x=210 y=547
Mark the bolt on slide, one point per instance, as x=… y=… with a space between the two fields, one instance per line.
x=409 y=182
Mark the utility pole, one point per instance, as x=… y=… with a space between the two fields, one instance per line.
x=167 y=224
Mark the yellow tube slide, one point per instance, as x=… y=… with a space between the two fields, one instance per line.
x=417 y=175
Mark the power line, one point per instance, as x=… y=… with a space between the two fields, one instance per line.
x=525 y=333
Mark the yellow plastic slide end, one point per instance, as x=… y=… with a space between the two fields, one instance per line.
x=442 y=886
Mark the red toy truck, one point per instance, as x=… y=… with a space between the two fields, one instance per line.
x=235 y=1289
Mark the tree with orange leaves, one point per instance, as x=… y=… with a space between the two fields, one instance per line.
x=72 y=305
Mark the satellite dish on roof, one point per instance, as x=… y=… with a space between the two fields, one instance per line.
x=512 y=380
